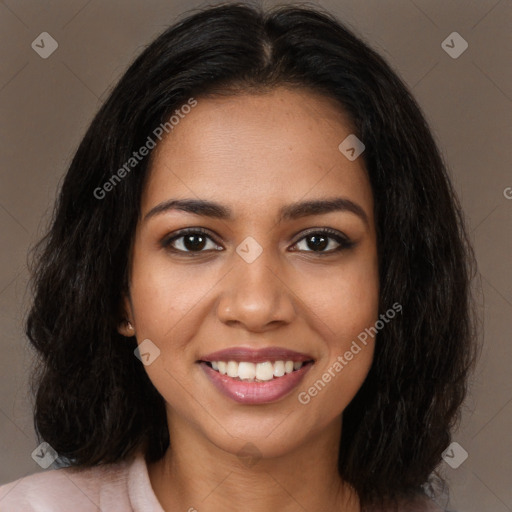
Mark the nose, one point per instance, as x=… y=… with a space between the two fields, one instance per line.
x=256 y=296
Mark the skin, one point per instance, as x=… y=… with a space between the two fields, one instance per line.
x=254 y=153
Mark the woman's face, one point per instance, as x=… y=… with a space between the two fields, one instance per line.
x=260 y=282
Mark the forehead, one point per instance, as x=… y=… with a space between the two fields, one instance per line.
x=258 y=149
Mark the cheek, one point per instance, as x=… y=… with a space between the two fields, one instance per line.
x=345 y=305
x=163 y=297
x=167 y=305
x=344 y=300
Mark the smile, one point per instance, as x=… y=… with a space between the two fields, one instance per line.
x=256 y=376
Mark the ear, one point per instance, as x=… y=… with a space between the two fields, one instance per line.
x=126 y=326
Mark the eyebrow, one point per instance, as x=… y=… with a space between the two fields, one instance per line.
x=289 y=212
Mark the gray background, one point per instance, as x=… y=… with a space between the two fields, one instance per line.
x=46 y=105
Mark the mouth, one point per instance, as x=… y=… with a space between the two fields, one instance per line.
x=256 y=376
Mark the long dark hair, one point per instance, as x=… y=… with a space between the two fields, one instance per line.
x=95 y=403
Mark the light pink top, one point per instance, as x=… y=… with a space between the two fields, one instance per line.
x=121 y=487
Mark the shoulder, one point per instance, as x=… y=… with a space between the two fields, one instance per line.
x=98 y=488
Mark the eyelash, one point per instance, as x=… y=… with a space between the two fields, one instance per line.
x=343 y=241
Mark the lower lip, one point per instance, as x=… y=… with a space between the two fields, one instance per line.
x=256 y=392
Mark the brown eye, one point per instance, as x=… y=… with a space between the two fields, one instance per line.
x=191 y=240
x=320 y=240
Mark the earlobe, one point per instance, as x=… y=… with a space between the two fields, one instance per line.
x=126 y=328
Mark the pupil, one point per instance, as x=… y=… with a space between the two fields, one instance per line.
x=319 y=242
x=191 y=245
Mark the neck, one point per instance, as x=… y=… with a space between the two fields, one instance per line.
x=195 y=474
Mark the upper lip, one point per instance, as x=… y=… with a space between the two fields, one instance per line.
x=256 y=355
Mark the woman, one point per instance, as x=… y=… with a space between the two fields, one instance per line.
x=254 y=294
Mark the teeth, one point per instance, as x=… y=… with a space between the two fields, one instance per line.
x=232 y=369
x=279 y=369
x=247 y=370
x=265 y=371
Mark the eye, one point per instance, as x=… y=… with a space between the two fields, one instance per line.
x=190 y=240
x=317 y=240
